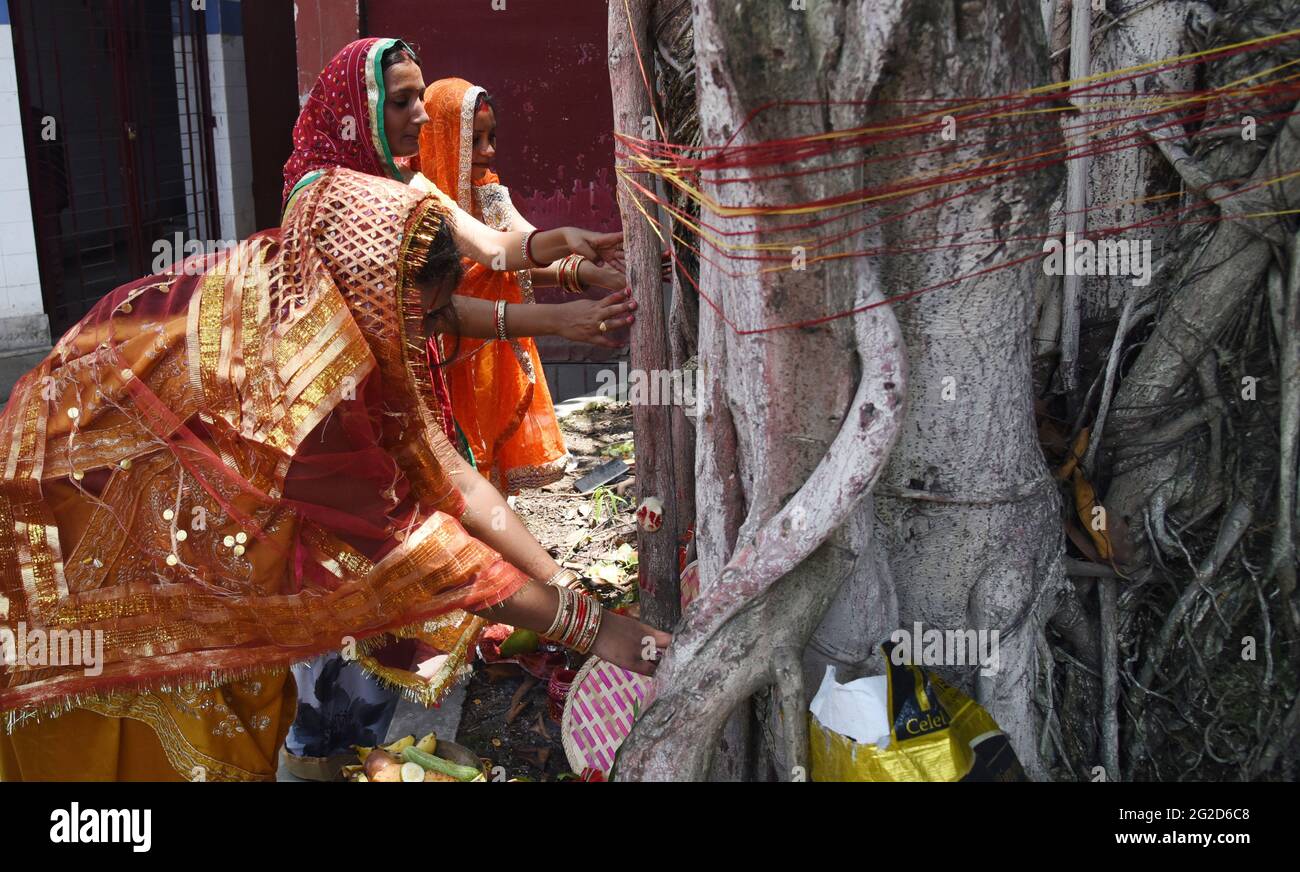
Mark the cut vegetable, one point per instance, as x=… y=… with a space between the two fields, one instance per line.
x=396 y=748
x=412 y=772
x=437 y=764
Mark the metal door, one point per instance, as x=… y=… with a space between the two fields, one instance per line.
x=117 y=123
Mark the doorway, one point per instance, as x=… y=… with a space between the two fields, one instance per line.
x=117 y=128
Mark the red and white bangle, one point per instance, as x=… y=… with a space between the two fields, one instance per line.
x=589 y=627
x=528 y=249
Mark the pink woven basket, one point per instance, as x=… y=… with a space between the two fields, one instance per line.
x=600 y=711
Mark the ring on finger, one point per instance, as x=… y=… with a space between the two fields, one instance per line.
x=602 y=327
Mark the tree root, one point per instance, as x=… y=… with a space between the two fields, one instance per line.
x=1282 y=561
x=1231 y=530
x=730 y=642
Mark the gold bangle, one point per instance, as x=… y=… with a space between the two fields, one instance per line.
x=566 y=578
x=563 y=613
x=568 y=274
x=578 y=261
x=563 y=274
x=501 y=320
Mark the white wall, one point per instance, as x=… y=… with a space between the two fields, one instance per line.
x=231 y=143
x=230 y=138
x=23 y=325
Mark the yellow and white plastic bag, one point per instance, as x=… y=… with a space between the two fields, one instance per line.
x=906 y=725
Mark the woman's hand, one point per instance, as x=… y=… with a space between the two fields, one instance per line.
x=629 y=643
x=601 y=277
x=580 y=320
x=602 y=249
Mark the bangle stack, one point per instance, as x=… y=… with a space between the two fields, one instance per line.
x=501 y=320
x=577 y=621
x=568 y=276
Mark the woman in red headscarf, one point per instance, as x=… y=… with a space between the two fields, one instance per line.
x=365 y=113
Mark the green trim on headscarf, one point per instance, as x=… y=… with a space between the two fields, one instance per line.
x=302 y=183
x=465 y=450
x=377 y=111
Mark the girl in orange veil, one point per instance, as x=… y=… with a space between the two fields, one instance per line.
x=498 y=392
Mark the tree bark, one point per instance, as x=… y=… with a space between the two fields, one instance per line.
x=1213 y=286
x=656 y=473
x=808 y=445
x=968 y=512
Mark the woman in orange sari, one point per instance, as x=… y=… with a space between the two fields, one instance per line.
x=234 y=466
x=499 y=395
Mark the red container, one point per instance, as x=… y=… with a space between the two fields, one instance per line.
x=557 y=691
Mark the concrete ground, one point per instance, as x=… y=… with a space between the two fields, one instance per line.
x=15 y=365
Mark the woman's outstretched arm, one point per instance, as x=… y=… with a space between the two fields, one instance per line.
x=505 y=250
x=489 y=519
x=577 y=320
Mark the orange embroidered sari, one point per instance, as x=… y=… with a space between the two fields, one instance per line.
x=498 y=391
x=219 y=471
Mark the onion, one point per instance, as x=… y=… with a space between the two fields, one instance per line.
x=383 y=767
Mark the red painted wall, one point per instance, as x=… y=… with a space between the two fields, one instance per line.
x=544 y=63
x=323 y=27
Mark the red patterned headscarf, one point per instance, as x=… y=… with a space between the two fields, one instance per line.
x=342 y=123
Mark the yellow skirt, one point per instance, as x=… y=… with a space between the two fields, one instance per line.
x=233 y=732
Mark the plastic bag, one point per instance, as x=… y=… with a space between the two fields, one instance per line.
x=907 y=725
